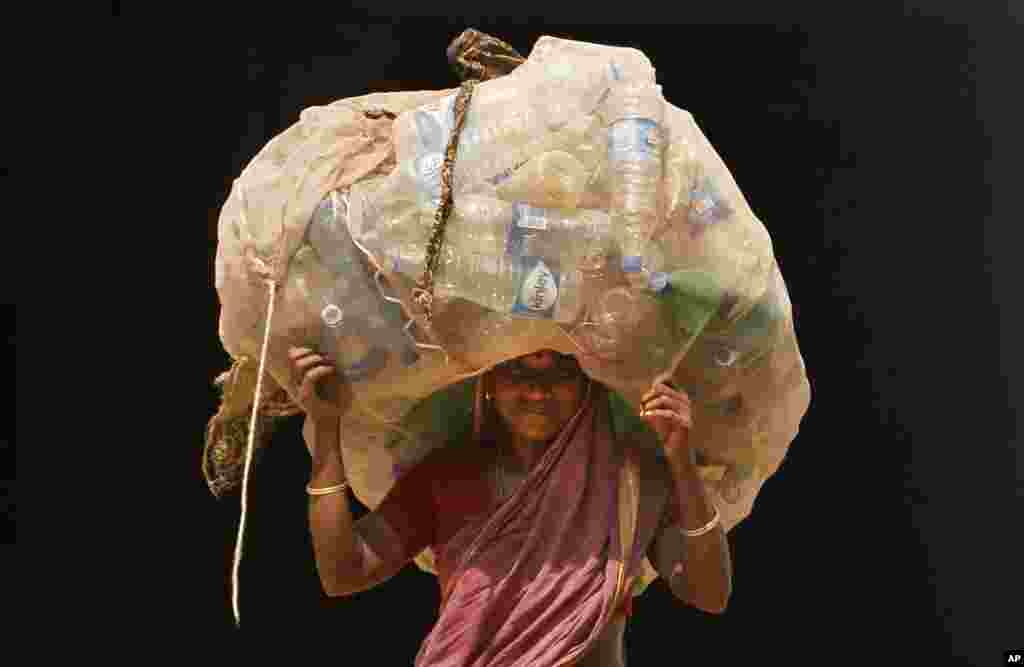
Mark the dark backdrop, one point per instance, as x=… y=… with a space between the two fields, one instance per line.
x=867 y=146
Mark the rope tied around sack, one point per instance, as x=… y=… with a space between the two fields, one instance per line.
x=423 y=294
x=476 y=57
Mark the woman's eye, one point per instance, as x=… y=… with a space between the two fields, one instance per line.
x=559 y=376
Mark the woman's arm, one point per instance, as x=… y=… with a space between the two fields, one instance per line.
x=354 y=556
x=330 y=520
x=698 y=570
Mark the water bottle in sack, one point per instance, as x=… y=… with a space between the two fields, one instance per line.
x=501 y=256
x=537 y=278
x=516 y=258
x=635 y=116
x=567 y=237
x=562 y=239
x=473 y=265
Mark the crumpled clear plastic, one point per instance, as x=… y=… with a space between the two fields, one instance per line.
x=340 y=206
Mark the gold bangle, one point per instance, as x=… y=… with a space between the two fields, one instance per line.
x=327 y=489
x=705 y=528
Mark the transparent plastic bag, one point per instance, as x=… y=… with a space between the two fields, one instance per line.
x=340 y=208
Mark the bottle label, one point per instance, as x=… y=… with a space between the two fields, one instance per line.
x=531 y=217
x=433 y=128
x=527 y=220
x=428 y=171
x=537 y=292
x=633 y=139
x=435 y=123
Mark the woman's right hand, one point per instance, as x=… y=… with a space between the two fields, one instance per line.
x=313 y=371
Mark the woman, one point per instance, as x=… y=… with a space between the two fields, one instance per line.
x=539 y=531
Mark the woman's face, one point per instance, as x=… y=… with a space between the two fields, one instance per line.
x=537 y=394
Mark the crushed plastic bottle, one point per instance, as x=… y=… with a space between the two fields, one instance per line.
x=472 y=265
x=356 y=320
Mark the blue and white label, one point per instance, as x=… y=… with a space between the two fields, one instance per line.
x=428 y=173
x=527 y=219
x=531 y=217
x=435 y=126
x=633 y=139
x=514 y=240
x=432 y=129
x=537 y=293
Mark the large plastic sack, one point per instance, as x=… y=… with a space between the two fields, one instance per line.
x=338 y=210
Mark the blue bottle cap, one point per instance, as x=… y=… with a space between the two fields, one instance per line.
x=632 y=263
x=658 y=281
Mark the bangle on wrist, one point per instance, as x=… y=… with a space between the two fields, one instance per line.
x=706 y=527
x=323 y=491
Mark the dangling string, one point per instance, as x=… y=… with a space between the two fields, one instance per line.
x=272 y=287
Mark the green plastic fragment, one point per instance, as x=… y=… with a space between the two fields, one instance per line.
x=693 y=296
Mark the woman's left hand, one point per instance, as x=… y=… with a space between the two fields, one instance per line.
x=667 y=411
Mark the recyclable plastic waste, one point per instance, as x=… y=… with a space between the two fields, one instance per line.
x=590 y=216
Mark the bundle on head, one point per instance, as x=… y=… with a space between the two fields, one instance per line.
x=557 y=202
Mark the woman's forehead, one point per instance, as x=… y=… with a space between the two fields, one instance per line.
x=540 y=360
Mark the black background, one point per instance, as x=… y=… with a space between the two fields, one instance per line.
x=868 y=145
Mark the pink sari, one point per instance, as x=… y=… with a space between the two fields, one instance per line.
x=536 y=581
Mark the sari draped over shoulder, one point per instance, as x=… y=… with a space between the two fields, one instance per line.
x=536 y=581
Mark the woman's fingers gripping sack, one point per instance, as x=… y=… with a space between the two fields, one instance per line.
x=319 y=384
